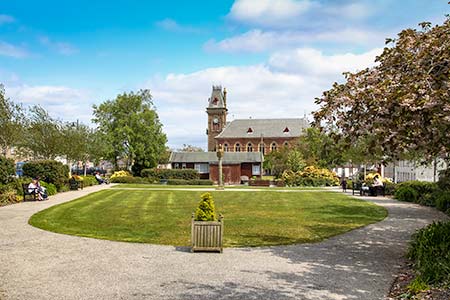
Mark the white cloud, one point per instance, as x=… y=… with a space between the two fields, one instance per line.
x=284 y=87
x=257 y=40
x=268 y=12
x=62 y=102
x=60 y=47
x=4 y=19
x=314 y=63
x=10 y=50
x=172 y=25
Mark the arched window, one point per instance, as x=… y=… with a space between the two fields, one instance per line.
x=262 y=148
x=286 y=144
x=249 y=147
x=225 y=147
x=237 y=147
x=273 y=146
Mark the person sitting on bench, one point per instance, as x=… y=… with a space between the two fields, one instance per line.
x=99 y=178
x=35 y=188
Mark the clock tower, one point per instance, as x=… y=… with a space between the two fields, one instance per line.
x=217 y=115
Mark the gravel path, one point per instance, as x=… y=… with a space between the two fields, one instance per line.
x=36 y=264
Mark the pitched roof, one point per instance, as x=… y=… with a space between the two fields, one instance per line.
x=271 y=128
x=211 y=157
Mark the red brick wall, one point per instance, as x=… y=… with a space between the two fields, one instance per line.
x=256 y=141
x=232 y=173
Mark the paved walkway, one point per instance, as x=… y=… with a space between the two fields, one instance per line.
x=36 y=264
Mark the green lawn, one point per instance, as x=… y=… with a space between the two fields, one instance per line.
x=251 y=218
x=163 y=186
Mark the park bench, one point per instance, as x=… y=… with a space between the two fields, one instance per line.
x=26 y=193
x=75 y=184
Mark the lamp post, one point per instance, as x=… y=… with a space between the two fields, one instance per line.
x=219 y=154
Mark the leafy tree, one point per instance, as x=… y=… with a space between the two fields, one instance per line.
x=76 y=139
x=284 y=159
x=401 y=105
x=43 y=137
x=7 y=170
x=12 y=118
x=320 y=148
x=132 y=129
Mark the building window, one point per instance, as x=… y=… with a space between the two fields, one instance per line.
x=202 y=168
x=286 y=144
x=286 y=130
x=256 y=170
x=183 y=166
x=225 y=147
x=249 y=147
x=237 y=147
x=176 y=166
x=273 y=146
x=249 y=130
x=262 y=148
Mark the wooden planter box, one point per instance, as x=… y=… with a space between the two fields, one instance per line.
x=207 y=235
x=259 y=182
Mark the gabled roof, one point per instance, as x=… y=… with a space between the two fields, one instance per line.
x=268 y=128
x=211 y=157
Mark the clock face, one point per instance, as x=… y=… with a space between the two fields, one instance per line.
x=216 y=121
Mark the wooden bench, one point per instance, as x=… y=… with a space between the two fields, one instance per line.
x=75 y=184
x=26 y=193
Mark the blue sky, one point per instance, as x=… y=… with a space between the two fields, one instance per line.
x=274 y=56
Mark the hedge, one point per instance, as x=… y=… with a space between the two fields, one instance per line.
x=50 y=171
x=158 y=174
x=189 y=182
x=130 y=179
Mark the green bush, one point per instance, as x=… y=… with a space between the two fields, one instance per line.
x=444 y=179
x=7 y=170
x=406 y=193
x=430 y=250
x=442 y=202
x=50 y=171
x=8 y=195
x=51 y=188
x=17 y=184
x=130 y=179
x=310 y=176
x=390 y=188
x=206 y=210
x=89 y=180
x=189 y=182
x=158 y=174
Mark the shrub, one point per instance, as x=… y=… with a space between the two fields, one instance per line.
x=444 y=179
x=88 y=180
x=129 y=179
x=310 y=176
x=390 y=188
x=17 y=184
x=8 y=195
x=206 y=210
x=7 y=170
x=189 y=182
x=51 y=188
x=50 y=171
x=120 y=174
x=158 y=174
x=406 y=193
x=430 y=250
x=442 y=201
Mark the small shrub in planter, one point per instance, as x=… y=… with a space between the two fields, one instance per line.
x=207 y=233
x=206 y=210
